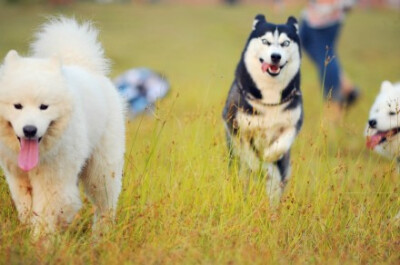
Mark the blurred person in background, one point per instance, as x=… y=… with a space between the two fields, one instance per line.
x=319 y=31
x=141 y=88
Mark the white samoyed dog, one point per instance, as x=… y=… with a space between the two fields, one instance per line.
x=61 y=120
x=383 y=127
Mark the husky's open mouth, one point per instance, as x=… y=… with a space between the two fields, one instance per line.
x=28 y=156
x=380 y=137
x=271 y=69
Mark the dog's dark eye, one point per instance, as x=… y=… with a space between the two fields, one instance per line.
x=43 y=107
x=264 y=41
x=392 y=113
x=18 y=106
x=286 y=43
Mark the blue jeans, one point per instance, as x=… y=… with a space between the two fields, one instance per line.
x=320 y=45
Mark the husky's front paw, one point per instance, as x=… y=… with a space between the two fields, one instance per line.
x=271 y=155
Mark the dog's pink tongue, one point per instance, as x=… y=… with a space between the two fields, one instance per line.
x=28 y=157
x=374 y=140
x=264 y=67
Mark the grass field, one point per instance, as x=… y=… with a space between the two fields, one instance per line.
x=180 y=203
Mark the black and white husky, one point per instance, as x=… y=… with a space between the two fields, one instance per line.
x=263 y=112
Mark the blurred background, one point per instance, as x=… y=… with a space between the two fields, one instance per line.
x=364 y=3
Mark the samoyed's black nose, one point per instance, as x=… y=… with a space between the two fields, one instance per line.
x=276 y=57
x=372 y=124
x=29 y=131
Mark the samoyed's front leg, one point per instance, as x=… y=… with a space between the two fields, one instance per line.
x=56 y=200
x=280 y=146
x=20 y=189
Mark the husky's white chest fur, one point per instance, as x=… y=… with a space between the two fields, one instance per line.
x=269 y=124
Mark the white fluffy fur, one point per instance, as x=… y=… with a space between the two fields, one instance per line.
x=63 y=38
x=83 y=129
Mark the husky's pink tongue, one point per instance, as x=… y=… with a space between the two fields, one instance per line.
x=264 y=67
x=374 y=140
x=28 y=157
x=273 y=68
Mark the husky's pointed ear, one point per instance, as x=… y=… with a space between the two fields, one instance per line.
x=258 y=20
x=293 y=22
x=11 y=57
x=386 y=85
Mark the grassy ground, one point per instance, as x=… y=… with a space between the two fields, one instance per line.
x=180 y=204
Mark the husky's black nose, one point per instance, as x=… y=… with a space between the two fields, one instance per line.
x=29 y=131
x=372 y=124
x=275 y=57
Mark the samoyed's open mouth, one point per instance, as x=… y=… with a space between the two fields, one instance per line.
x=380 y=137
x=28 y=156
x=271 y=69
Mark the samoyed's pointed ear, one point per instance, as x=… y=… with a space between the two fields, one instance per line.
x=258 y=20
x=386 y=85
x=11 y=57
x=293 y=22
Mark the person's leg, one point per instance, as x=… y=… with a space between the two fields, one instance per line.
x=320 y=45
x=329 y=66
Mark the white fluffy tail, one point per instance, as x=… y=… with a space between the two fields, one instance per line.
x=73 y=43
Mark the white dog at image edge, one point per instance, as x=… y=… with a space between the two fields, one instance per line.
x=61 y=121
x=383 y=128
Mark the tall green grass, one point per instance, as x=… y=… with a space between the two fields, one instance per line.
x=180 y=203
